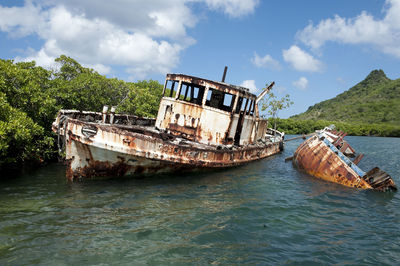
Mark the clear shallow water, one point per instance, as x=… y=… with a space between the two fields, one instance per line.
x=263 y=213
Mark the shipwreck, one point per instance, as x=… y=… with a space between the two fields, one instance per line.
x=327 y=155
x=200 y=124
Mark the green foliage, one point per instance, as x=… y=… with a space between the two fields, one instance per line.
x=295 y=126
x=374 y=100
x=273 y=105
x=30 y=97
x=76 y=87
x=26 y=88
x=21 y=139
x=143 y=99
x=69 y=69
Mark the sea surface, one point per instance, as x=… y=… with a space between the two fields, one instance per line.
x=262 y=213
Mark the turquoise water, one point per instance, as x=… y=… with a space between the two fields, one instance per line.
x=263 y=213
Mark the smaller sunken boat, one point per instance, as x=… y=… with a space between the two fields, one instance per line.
x=326 y=155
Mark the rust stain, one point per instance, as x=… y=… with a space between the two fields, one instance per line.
x=98 y=168
x=184 y=131
x=316 y=158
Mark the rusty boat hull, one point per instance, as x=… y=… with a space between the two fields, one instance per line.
x=321 y=156
x=94 y=149
x=200 y=124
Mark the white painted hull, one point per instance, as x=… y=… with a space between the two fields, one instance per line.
x=120 y=150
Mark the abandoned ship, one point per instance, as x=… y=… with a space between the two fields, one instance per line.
x=326 y=155
x=200 y=124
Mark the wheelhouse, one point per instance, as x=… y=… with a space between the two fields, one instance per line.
x=210 y=112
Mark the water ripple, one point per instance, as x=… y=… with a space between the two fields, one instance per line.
x=262 y=213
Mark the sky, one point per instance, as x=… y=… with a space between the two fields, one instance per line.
x=313 y=50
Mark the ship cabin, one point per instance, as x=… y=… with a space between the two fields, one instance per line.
x=210 y=112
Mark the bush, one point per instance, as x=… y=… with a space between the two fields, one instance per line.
x=21 y=139
x=294 y=126
x=30 y=97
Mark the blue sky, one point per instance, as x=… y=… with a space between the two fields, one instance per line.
x=312 y=49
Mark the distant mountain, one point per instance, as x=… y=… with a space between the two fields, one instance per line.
x=376 y=99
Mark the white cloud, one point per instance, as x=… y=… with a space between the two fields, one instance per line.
x=301 y=84
x=93 y=42
x=20 y=21
x=234 y=8
x=250 y=84
x=266 y=61
x=301 y=60
x=363 y=29
x=142 y=36
x=152 y=17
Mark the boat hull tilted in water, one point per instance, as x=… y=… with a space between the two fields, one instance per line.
x=200 y=124
x=326 y=155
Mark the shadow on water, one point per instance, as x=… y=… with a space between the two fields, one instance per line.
x=380 y=198
x=202 y=178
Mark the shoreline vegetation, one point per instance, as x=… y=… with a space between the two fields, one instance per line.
x=31 y=96
x=293 y=126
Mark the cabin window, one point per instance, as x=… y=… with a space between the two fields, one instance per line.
x=242 y=105
x=192 y=93
x=250 y=107
x=245 y=103
x=214 y=98
x=253 y=107
x=239 y=105
x=171 y=88
x=209 y=97
x=219 y=99
x=229 y=100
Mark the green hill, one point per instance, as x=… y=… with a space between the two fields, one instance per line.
x=376 y=99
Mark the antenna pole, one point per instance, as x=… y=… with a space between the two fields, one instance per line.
x=224 y=75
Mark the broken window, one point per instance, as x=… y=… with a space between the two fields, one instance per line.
x=171 y=88
x=250 y=107
x=192 y=93
x=242 y=105
x=245 y=103
x=239 y=105
x=219 y=99
x=229 y=100
x=253 y=108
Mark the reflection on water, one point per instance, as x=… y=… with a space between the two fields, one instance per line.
x=262 y=213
